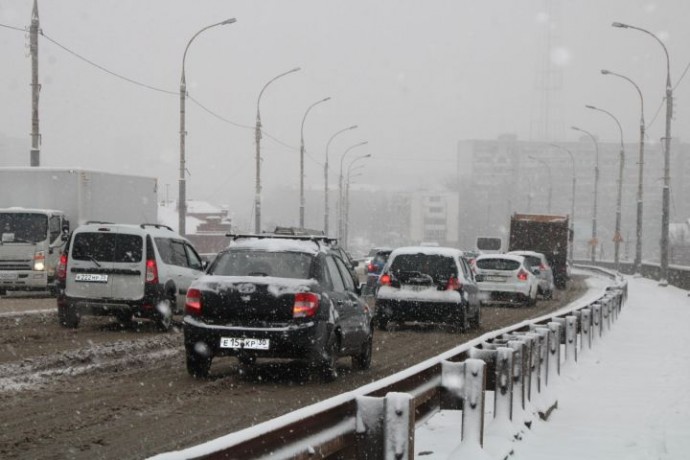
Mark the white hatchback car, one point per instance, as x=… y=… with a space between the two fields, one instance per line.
x=505 y=277
x=537 y=259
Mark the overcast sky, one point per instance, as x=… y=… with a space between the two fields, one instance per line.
x=416 y=76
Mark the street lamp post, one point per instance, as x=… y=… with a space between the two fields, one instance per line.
x=257 y=136
x=326 y=215
x=340 y=188
x=182 y=200
x=301 y=161
x=572 y=201
x=637 y=265
x=347 y=196
x=593 y=242
x=666 y=193
x=621 y=164
x=548 y=168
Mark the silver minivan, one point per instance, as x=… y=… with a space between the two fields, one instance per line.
x=125 y=271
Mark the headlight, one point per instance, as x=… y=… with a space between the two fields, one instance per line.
x=39 y=261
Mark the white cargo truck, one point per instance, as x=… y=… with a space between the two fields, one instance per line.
x=38 y=206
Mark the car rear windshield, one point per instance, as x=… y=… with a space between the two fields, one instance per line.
x=498 y=264
x=107 y=247
x=437 y=266
x=295 y=265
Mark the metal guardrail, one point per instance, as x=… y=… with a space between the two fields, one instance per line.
x=340 y=427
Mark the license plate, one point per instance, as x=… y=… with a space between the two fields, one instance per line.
x=412 y=287
x=248 y=344
x=91 y=278
x=8 y=276
x=495 y=279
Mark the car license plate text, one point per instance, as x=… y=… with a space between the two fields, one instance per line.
x=244 y=343
x=413 y=287
x=91 y=278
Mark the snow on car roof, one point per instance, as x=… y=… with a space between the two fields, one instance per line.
x=278 y=245
x=515 y=257
x=429 y=250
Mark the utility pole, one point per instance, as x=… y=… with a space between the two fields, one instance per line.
x=35 y=158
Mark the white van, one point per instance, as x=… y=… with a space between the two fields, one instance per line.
x=125 y=271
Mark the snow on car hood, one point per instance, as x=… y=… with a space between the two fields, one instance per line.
x=430 y=294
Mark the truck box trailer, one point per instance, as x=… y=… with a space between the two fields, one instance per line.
x=548 y=234
x=39 y=205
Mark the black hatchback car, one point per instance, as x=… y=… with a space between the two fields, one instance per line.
x=277 y=296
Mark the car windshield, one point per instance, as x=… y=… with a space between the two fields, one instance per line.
x=295 y=265
x=25 y=227
x=107 y=247
x=498 y=264
x=438 y=266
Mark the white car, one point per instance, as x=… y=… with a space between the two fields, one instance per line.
x=537 y=259
x=505 y=277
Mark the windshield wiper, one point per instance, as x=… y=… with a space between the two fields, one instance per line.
x=93 y=259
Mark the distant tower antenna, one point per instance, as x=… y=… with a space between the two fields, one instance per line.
x=35 y=87
x=548 y=124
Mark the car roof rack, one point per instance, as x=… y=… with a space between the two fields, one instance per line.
x=298 y=231
x=101 y=222
x=144 y=225
x=315 y=238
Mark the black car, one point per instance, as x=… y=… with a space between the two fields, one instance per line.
x=431 y=284
x=277 y=296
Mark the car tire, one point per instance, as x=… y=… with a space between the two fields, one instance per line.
x=124 y=317
x=362 y=360
x=198 y=366
x=476 y=321
x=164 y=315
x=531 y=300
x=68 y=316
x=548 y=295
x=463 y=322
x=382 y=322
x=328 y=365
x=3 y=291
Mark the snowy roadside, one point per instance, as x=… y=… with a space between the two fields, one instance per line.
x=626 y=398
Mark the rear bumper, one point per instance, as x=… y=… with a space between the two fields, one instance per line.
x=506 y=288
x=144 y=307
x=24 y=280
x=292 y=341
x=416 y=310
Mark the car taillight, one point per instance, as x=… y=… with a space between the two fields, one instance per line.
x=62 y=267
x=522 y=275
x=39 y=261
x=151 y=271
x=192 y=305
x=453 y=284
x=371 y=268
x=306 y=305
x=385 y=280
x=542 y=267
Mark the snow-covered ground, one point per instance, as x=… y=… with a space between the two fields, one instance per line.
x=628 y=398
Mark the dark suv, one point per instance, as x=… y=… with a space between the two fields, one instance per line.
x=277 y=296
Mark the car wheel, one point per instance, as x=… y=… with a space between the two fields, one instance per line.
x=362 y=360
x=476 y=320
x=463 y=321
x=68 y=316
x=124 y=317
x=198 y=366
x=531 y=299
x=164 y=315
x=3 y=291
x=382 y=322
x=329 y=370
x=548 y=295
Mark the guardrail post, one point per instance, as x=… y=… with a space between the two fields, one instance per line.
x=385 y=427
x=472 y=442
x=520 y=379
x=606 y=315
x=398 y=437
x=596 y=322
x=571 y=339
x=452 y=385
x=546 y=401
x=555 y=350
x=369 y=427
x=585 y=329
